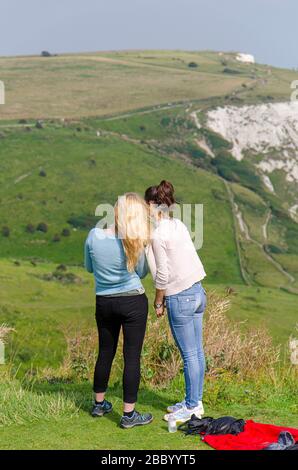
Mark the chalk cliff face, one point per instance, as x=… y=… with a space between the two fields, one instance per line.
x=269 y=131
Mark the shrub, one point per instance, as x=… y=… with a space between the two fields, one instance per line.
x=5 y=331
x=78 y=364
x=215 y=140
x=231 y=71
x=5 y=231
x=237 y=171
x=61 y=276
x=142 y=128
x=227 y=348
x=82 y=221
x=274 y=249
x=42 y=173
x=65 y=232
x=42 y=227
x=61 y=267
x=192 y=65
x=30 y=228
x=56 y=238
x=165 y=121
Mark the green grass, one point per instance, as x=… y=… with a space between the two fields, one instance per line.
x=66 y=423
x=145 y=125
x=83 y=171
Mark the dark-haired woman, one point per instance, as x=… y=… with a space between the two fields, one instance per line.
x=177 y=271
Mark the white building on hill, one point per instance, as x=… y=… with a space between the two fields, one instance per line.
x=247 y=58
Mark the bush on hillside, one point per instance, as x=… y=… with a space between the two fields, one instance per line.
x=61 y=276
x=30 y=228
x=216 y=141
x=237 y=171
x=192 y=65
x=61 y=267
x=274 y=249
x=42 y=227
x=165 y=121
x=231 y=71
x=82 y=221
x=5 y=231
x=4 y=332
x=65 y=232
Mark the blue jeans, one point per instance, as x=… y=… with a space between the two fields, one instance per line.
x=185 y=312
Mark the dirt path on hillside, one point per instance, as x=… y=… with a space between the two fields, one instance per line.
x=239 y=221
x=245 y=230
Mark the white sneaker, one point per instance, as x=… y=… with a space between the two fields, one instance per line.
x=179 y=405
x=201 y=408
x=176 y=407
x=184 y=414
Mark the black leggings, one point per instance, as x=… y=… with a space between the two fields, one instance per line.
x=111 y=313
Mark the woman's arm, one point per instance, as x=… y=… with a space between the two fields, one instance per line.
x=142 y=268
x=162 y=275
x=87 y=257
x=151 y=261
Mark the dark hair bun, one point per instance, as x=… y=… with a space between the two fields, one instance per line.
x=165 y=193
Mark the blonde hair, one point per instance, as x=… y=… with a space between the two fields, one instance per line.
x=132 y=225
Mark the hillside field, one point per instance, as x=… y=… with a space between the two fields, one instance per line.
x=78 y=130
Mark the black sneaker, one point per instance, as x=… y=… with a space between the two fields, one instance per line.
x=136 y=420
x=100 y=410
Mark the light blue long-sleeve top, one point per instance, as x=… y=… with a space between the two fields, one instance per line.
x=106 y=259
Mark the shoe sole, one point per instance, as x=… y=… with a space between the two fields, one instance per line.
x=169 y=410
x=136 y=424
x=181 y=421
x=96 y=415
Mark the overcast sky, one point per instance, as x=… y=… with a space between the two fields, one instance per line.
x=266 y=28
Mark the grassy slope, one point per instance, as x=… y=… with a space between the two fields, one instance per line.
x=74 y=186
x=101 y=85
x=101 y=82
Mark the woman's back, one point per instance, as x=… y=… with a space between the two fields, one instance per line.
x=178 y=265
x=105 y=257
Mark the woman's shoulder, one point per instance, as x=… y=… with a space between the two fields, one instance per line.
x=97 y=233
x=167 y=229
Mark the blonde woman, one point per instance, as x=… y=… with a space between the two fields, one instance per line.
x=116 y=257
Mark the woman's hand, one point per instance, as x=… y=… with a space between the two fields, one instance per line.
x=159 y=311
x=159 y=303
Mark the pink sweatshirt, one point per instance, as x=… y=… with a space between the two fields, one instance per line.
x=172 y=258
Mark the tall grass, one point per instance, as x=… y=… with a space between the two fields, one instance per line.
x=19 y=405
x=229 y=349
x=4 y=331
